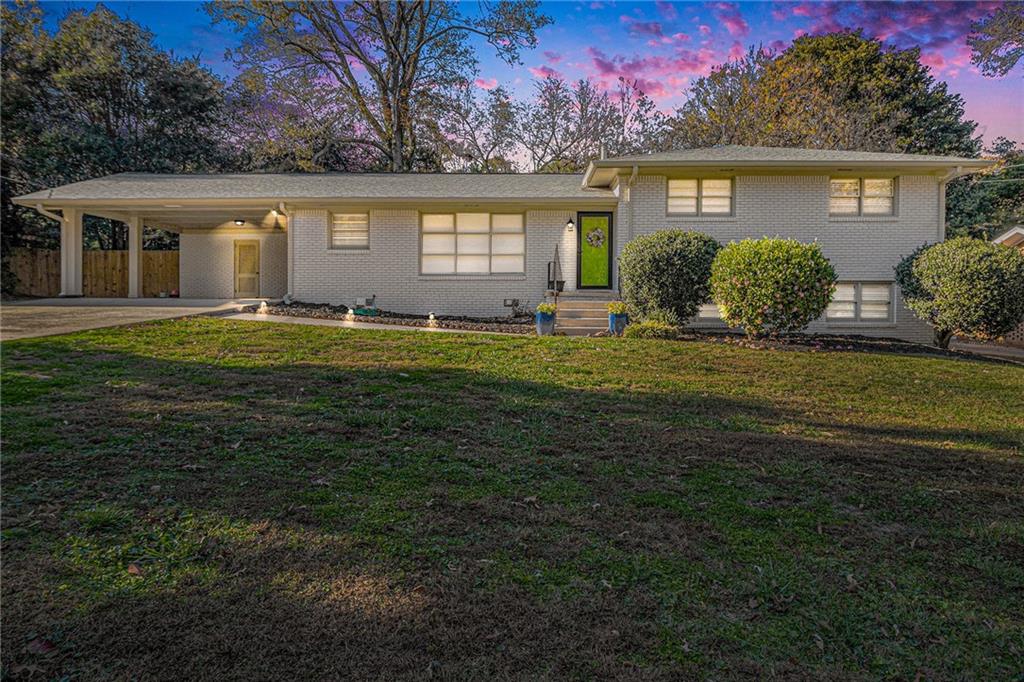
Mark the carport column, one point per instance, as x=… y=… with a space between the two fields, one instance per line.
x=71 y=253
x=134 y=256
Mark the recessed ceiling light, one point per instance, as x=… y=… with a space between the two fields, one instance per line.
x=172 y=205
x=239 y=221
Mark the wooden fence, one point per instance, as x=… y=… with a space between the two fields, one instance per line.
x=104 y=273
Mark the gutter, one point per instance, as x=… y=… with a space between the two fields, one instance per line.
x=49 y=214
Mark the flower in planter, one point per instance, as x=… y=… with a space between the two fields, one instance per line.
x=547 y=308
x=617 y=308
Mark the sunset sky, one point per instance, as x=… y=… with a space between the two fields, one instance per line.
x=666 y=45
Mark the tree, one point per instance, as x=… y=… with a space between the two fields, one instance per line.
x=96 y=98
x=834 y=91
x=480 y=131
x=877 y=86
x=997 y=41
x=965 y=287
x=293 y=124
x=985 y=204
x=395 y=63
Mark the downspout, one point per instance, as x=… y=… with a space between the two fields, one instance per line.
x=290 y=237
x=943 y=181
x=632 y=210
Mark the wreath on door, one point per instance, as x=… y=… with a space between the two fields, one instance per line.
x=596 y=238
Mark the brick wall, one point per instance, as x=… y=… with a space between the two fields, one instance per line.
x=389 y=269
x=207 y=263
x=796 y=207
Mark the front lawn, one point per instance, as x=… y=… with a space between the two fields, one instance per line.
x=207 y=499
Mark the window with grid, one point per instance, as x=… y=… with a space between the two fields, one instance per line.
x=861 y=302
x=861 y=196
x=472 y=244
x=700 y=196
x=350 y=231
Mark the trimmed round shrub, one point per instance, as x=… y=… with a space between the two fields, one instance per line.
x=667 y=273
x=769 y=286
x=651 y=329
x=965 y=287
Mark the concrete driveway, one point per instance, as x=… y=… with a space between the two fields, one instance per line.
x=49 y=316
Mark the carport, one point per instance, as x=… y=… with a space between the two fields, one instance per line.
x=230 y=247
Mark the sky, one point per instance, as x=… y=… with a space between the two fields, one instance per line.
x=665 y=46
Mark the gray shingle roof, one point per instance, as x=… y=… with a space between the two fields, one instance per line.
x=738 y=153
x=348 y=186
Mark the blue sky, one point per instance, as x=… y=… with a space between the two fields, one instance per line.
x=666 y=45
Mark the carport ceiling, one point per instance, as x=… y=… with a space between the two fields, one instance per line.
x=175 y=218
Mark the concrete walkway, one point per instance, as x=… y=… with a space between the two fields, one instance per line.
x=49 y=316
x=990 y=350
x=345 y=324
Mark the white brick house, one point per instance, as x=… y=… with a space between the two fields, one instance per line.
x=467 y=244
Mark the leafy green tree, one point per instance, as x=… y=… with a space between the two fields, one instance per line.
x=835 y=91
x=98 y=97
x=395 y=63
x=997 y=41
x=966 y=287
x=985 y=204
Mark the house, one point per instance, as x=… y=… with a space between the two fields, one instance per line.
x=474 y=244
x=1014 y=239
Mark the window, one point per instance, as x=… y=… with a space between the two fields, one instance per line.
x=472 y=244
x=709 y=311
x=350 y=231
x=700 y=197
x=861 y=196
x=861 y=302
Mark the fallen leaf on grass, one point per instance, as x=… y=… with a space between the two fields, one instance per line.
x=134 y=569
x=42 y=647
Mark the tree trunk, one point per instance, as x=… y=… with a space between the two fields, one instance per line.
x=942 y=338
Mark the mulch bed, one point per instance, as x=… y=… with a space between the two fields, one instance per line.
x=828 y=343
x=524 y=324
x=508 y=325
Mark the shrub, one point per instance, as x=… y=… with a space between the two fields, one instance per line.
x=964 y=286
x=651 y=329
x=667 y=272
x=768 y=286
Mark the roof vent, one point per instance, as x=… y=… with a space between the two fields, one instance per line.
x=603 y=151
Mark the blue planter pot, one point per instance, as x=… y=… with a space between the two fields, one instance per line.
x=617 y=323
x=545 y=324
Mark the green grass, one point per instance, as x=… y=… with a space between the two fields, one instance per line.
x=206 y=499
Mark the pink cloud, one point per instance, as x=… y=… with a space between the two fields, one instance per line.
x=667 y=10
x=486 y=83
x=552 y=56
x=680 y=37
x=544 y=71
x=729 y=14
x=736 y=51
x=647 y=28
x=704 y=29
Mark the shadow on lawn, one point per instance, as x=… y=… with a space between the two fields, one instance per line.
x=412 y=523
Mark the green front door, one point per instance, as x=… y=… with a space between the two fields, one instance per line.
x=595 y=251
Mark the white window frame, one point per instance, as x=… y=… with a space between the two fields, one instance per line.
x=858 y=303
x=330 y=231
x=860 y=198
x=491 y=234
x=701 y=213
